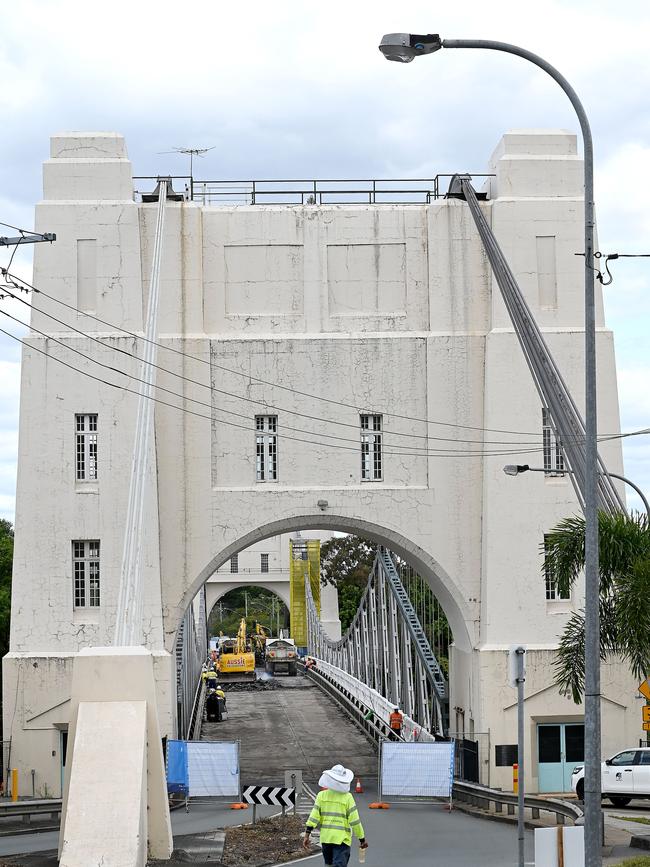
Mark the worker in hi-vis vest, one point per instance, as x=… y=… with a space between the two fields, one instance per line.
x=396 y=721
x=335 y=813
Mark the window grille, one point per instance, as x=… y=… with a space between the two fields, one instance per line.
x=85 y=567
x=86 y=444
x=371 y=456
x=552 y=592
x=266 y=448
x=234 y=563
x=264 y=562
x=553 y=453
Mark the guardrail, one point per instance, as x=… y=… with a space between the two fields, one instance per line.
x=481 y=796
x=27 y=809
x=309 y=191
x=357 y=699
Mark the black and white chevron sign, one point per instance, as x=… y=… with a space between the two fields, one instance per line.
x=273 y=796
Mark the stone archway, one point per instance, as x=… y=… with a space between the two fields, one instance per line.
x=442 y=585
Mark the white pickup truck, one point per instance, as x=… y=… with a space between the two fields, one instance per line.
x=623 y=777
x=281 y=656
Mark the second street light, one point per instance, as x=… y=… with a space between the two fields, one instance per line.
x=518 y=469
x=403 y=48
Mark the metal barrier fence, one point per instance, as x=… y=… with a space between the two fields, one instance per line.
x=333 y=191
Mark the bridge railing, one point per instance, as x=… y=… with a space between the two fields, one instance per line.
x=368 y=708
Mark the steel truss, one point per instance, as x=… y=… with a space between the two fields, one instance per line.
x=386 y=648
x=190 y=652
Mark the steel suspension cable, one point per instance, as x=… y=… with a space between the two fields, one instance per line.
x=553 y=391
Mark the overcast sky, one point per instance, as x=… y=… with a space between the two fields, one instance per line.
x=298 y=89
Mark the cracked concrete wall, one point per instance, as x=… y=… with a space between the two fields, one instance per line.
x=387 y=308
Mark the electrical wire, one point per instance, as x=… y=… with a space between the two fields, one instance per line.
x=263 y=403
x=250 y=377
x=314 y=441
x=257 y=402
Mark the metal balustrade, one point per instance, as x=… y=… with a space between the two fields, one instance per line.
x=387 y=649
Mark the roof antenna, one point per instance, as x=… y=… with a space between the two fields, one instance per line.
x=191 y=152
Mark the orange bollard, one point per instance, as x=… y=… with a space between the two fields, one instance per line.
x=14 y=784
x=515 y=778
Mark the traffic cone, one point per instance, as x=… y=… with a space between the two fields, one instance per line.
x=359 y=787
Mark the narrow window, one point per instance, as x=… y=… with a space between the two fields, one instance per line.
x=552 y=593
x=553 y=453
x=264 y=562
x=86 y=447
x=234 y=563
x=85 y=569
x=371 y=459
x=266 y=448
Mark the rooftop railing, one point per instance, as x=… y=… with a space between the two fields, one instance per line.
x=368 y=191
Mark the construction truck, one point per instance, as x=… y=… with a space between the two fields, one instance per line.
x=281 y=656
x=236 y=662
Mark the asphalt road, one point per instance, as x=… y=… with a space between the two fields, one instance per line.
x=295 y=726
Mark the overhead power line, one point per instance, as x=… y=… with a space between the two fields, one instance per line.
x=251 y=377
x=404 y=450
x=313 y=440
x=256 y=401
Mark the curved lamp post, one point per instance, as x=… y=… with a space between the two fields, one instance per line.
x=404 y=47
x=517 y=469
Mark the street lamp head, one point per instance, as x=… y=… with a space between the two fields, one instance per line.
x=515 y=469
x=403 y=47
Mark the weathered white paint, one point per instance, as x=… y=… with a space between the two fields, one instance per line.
x=382 y=307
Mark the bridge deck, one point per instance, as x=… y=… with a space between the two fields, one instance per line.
x=290 y=726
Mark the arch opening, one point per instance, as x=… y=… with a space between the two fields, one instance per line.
x=444 y=588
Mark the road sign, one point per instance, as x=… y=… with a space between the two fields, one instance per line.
x=644 y=689
x=645 y=713
x=272 y=796
x=646 y=726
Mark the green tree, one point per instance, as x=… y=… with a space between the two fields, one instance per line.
x=6 y=561
x=345 y=562
x=624 y=558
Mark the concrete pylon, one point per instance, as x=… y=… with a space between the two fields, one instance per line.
x=115 y=807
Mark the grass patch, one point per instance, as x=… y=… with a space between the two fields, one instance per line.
x=641 y=861
x=639 y=819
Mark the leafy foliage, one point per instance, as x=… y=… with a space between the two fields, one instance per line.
x=624 y=565
x=346 y=562
x=6 y=561
x=262 y=605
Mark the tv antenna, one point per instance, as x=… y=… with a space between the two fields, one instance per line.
x=191 y=152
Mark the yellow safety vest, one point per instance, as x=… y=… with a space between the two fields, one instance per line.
x=336 y=814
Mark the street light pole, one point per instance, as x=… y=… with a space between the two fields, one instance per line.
x=405 y=47
x=517 y=469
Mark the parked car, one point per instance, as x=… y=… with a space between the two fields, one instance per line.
x=623 y=777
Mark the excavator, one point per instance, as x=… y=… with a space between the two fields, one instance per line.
x=258 y=638
x=237 y=659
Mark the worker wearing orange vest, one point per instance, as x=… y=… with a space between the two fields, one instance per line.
x=396 y=720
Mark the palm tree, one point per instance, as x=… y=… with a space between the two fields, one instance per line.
x=624 y=558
